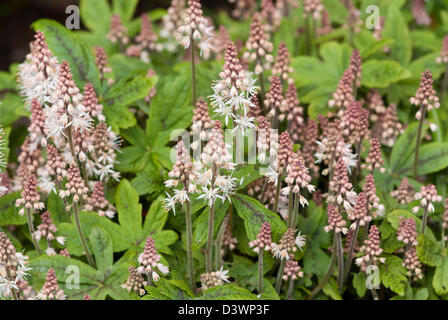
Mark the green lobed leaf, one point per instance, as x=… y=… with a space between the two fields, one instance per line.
x=156 y=217
x=359 y=283
x=440 y=279
x=428 y=251
x=95 y=15
x=432 y=157
x=393 y=274
x=101 y=243
x=404 y=147
x=129 y=211
x=396 y=28
x=381 y=73
x=227 y=292
x=88 y=220
x=255 y=214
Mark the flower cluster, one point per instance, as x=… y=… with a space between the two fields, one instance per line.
x=243 y=8
x=375 y=104
x=50 y=290
x=425 y=97
x=427 y=195
x=38 y=75
x=373 y=201
x=282 y=67
x=333 y=147
x=232 y=94
x=287 y=245
x=389 y=127
x=263 y=241
x=335 y=221
x=46 y=230
x=30 y=199
x=292 y=270
x=374 y=159
x=271 y=15
x=355 y=122
x=98 y=203
x=101 y=61
x=195 y=28
x=149 y=261
x=201 y=123
x=407 y=231
x=259 y=47
x=117 y=32
x=274 y=98
x=344 y=93
x=214 y=278
x=341 y=190
x=312 y=8
x=405 y=193
x=371 y=250
x=413 y=264
x=13 y=268
x=171 y=22
x=443 y=58
x=298 y=178
x=293 y=112
x=135 y=282
x=360 y=214
x=419 y=12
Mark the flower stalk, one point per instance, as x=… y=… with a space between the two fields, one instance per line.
x=82 y=237
x=211 y=220
x=31 y=230
x=189 y=229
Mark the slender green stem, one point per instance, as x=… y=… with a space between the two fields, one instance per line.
x=13 y=291
x=424 y=219
x=211 y=220
x=349 y=261
x=328 y=274
x=262 y=92
x=149 y=276
x=419 y=135
x=279 y=280
x=290 y=289
x=31 y=230
x=340 y=261
x=193 y=70
x=260 y=270
x=277 y=193
x=290 y=208
x=295 y=213
x=218 y=249
x=189 y=229
x=374 y=294
x=81 y=236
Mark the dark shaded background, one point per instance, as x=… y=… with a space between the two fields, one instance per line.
x=16 y=17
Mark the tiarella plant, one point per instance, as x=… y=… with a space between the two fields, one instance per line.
x=269 y=151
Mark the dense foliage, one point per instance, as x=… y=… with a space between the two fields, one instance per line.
x=101 y=199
